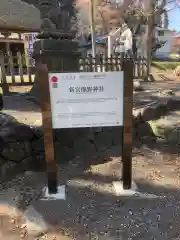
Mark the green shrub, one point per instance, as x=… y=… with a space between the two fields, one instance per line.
x=165 y=65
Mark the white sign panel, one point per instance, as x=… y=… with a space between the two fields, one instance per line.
x=86 y=99
x=30 y=39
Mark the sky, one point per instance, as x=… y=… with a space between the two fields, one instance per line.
x=174 y=17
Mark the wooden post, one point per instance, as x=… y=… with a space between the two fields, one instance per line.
x=92 y=25
x=51 y=58
x=19 y=57
x=5 y=86
x=11 y=66
x=127 y=67
x=42 y=75
x=139 y=67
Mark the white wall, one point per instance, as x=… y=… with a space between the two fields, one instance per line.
x=165 y=50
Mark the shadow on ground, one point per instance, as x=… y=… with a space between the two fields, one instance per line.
x=94 y=212
x=20 y=103
x=169 y=149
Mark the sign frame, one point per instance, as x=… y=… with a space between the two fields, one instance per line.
x=45 y=102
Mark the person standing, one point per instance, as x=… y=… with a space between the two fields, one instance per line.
x=126 y=38
x=124 y=43
x=119 y=47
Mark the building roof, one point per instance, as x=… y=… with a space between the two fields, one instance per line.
x=16 y=15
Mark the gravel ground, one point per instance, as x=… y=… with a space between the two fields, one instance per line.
x=93 y=211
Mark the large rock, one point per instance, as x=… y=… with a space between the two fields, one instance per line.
x=144 y=130
x=2 y=160
x=6 y=120
x=177 y=71
x=173 y=103
x=12 y=130
x=8 y=170
x=38 y=132
x=148 y=113
x=16 y=151
x=137 y=86
x=166 y=129
x=38 y=145
x=161 y=109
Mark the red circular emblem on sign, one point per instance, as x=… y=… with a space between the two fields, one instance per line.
x=54 y=79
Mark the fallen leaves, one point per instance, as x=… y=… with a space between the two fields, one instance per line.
x=154 y=174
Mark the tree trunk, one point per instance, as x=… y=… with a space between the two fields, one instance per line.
x=149 y=40
x=149 y=50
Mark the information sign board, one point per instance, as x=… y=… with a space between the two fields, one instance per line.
x=86 y=99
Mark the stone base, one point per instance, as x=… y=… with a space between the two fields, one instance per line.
x=133 y=192
x=120 y=191
x=60 y=195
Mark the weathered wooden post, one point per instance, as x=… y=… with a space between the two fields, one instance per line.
x=127 y=68
x=55 y=52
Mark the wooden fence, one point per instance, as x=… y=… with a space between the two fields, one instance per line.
x=14 y=70
x=103 y=64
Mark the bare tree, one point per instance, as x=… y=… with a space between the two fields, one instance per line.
x=107 y=15
x=151 y=11
x=147 y=13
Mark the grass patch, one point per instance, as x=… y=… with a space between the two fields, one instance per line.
x=174 y=56
x=165 y=65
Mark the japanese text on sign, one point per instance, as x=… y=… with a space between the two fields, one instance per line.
x=85 y=89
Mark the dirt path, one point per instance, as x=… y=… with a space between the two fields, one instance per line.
x=93 y=211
